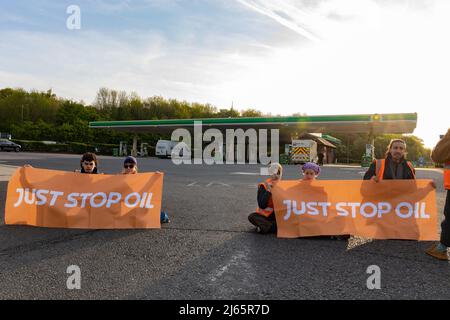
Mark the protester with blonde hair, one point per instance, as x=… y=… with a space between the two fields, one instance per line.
x=264 y=217
x=130 y=167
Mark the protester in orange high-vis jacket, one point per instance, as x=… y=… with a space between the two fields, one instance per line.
x=393 y=166
x=441 y=154
x=264 y=217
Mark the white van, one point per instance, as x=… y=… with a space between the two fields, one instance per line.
x=164 y=148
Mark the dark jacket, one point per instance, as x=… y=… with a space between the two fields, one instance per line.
x=95 y=171
x=263 y=200
x=441 y=152
x=407 y=174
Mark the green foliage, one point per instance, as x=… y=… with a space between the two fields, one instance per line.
x=354 y=146
x=251 y=113
x=414 y=146
x=71 y=147
x=39 y=116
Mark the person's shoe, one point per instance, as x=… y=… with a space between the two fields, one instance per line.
x=258 y=230
x=260 y=222
x=434 y=252
x=164 y=217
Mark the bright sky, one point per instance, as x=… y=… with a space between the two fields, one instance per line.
x=277 y=56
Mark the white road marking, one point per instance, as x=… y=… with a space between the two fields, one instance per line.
x=236 y=259
x=219 y=183
x=246 y=173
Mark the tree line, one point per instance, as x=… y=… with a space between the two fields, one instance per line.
x=41 y=115
x=44 y=116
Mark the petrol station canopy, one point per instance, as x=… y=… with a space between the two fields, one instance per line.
x=373 y=123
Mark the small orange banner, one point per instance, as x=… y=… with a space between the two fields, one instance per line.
x=390 y=209
x=58 y=199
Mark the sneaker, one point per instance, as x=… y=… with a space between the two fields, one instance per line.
x=164 y=217
x=260 y=222
x=441 y=255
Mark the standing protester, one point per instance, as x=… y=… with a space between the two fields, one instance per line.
x=264 y=217
x=441 y=154
x=88 y=163
x=320 y=156
x=393 y=166
x=130 y=167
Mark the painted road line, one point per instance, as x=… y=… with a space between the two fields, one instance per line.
x=246 y=173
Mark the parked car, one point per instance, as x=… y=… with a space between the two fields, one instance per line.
x=9 y=146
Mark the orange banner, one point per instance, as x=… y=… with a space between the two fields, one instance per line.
x=390 y=209
x=58 y=199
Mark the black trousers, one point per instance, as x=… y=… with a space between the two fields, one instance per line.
x=445 y=225
x=267 y=225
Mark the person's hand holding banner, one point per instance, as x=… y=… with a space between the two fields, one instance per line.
x=59 y=199
x=389 y=209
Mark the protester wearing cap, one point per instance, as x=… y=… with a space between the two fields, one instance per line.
x=264 y=217
x=130 y=165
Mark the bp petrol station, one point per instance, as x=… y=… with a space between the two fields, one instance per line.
x=289 y=127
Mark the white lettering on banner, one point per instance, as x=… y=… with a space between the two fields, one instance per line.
x=306 y=208
x=127 y=200
x=55 y=195
x=418 y=210
x=148 y=205
x=27 y=196
x=101 y=203
x=73 y=200
x=112 y=200
x=84 y=197
x=20 y=191
x=403 y=210
x=40 y=197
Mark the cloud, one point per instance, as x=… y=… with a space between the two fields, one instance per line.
x=75 y=64
x=372 y=56
x=285 y=14
x=375 y=58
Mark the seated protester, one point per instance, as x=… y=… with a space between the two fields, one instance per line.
x=88 y=163
x=310 y=172
x=264 y=217
x=130 y=167
x=393 y=166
